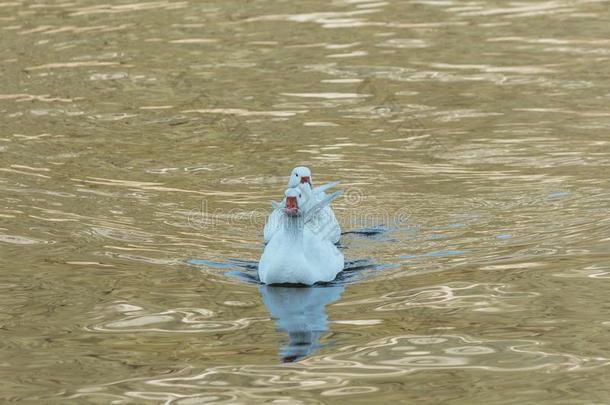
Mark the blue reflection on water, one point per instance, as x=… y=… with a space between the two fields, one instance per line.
x=438 y=253
x=301 y=312
x=218 y=265
x=557 y=194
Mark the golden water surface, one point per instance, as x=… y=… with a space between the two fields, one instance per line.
x=141 y=143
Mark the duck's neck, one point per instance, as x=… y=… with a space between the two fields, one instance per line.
x=293 y=227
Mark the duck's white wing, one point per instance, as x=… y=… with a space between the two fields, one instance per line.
x=325 y=223
x=273 y=222
x=321 y=189
x=325 y=201
x=271 y=227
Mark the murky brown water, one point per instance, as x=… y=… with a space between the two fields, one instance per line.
x=141 y=143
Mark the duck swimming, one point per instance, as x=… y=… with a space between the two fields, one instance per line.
x=296 y=254
x=325 y=223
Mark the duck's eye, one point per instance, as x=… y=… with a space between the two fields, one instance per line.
x=299 y=195
x=296 y=175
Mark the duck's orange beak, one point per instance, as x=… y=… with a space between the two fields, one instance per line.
x=305 y=179
x=292 y=206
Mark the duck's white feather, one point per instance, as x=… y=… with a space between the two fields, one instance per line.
x=296 y=253
x=299 y=259
x=322 y=189
x=325 y=223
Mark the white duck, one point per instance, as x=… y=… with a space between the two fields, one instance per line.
x=326 y=220
x=295 y=254
x=325 y=223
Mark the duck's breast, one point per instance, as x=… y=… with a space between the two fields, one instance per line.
x=285 y=261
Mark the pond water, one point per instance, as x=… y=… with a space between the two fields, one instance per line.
x=142 y=142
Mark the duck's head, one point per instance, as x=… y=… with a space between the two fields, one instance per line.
x=299 y=202
x=300 y=175
x=294 y=202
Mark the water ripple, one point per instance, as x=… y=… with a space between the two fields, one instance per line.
x=476 y=297
x=342 y=373
x=173 y=320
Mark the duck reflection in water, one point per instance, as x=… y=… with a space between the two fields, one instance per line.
x=300 y=311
